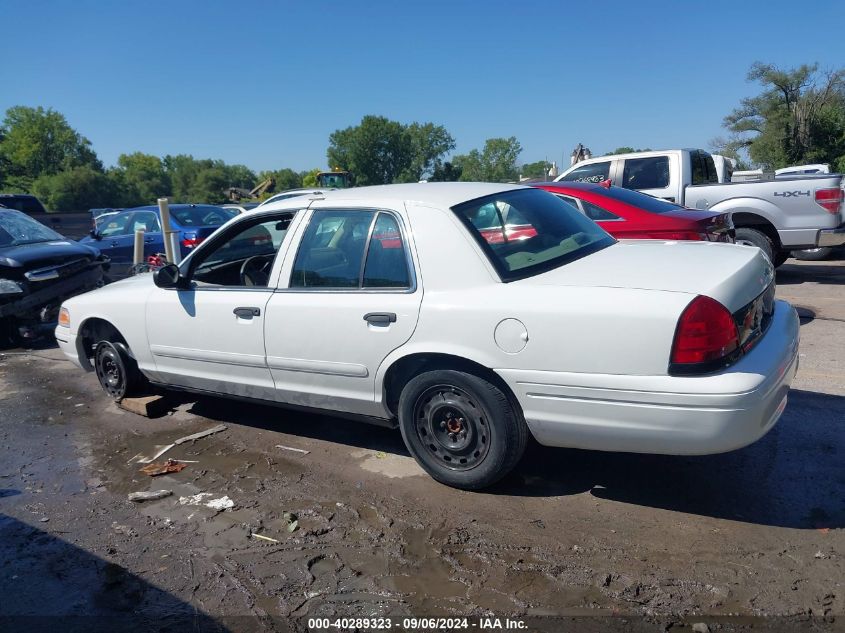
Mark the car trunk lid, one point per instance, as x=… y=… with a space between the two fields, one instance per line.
x=732 y=275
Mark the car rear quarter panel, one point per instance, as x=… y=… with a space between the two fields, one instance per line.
x=569 y=328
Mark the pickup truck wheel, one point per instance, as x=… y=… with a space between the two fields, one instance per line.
x=117 y=372
x=813 y=254
x=753 y=237
x=462 y=429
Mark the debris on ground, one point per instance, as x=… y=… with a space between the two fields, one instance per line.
x=261 y=537
x=291 y=448
x=163 y=468
x=196 y=436
x=291 y=520
x=700 y=627
x=150 y=495
x=162 y=449
x=222 y=503
x=148 y=406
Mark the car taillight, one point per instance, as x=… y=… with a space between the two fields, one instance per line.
x=705 y=337
x=830 y=199
x=192 y=241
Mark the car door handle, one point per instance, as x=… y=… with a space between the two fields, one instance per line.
x=380 y=318
x=246 y=313
x=149 y=241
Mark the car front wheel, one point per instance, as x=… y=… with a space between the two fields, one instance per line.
x=117 y=372
x=462 y=429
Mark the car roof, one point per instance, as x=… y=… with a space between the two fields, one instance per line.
x=439 y=194
x=444 y=194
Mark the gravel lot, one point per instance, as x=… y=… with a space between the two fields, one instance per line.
x=753 y=538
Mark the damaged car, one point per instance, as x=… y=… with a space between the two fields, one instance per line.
x=38 y=270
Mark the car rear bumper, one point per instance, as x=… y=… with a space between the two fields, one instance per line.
x=832 y=237
x=676 y=415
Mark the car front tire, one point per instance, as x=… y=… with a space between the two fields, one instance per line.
x=462 y=429
x=117 y=372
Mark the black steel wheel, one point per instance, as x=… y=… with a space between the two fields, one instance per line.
x=116 y=370
x=461 y=428
x=452 y=427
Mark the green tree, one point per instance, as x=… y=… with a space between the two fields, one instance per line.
x=538 y=169
x=495 y=163
x=377 y=150
x=77 y=189
x=627 y=150
x=141 y=179
x=285 y=179
x=798 y=118
x=446 y=172
x=309 y=178
x=429 y=143
x=36 y=142
x=238 y=175
x=380 y=151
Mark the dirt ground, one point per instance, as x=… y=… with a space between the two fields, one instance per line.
x=749 y=539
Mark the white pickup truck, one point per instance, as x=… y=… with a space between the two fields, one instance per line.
x=778 y=216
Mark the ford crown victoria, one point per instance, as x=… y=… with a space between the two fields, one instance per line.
x=403 y=305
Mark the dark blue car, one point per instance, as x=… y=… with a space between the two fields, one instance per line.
x=114 y=234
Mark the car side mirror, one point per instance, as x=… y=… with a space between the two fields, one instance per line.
x=95 y=234
x=168 y=277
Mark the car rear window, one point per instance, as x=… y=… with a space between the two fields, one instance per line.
x=528 y=231
x=641 y=200
x=202 y=215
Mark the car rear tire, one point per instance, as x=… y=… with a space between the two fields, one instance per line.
x=462 y=429
x=813 y=254
x=117 y=372
x=753 y=237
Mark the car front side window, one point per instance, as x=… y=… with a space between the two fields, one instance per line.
x=114 y=225
x=244 y=257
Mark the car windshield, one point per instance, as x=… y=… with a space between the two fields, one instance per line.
x=529 y=231
x=17 y=228
x=641 y=200
x=202 y=215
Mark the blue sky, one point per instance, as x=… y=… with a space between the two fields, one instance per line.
x=265 y=83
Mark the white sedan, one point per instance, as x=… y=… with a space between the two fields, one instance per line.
x=404 y=305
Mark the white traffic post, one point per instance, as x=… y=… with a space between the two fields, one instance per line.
x=166 y=229
x=138 y=254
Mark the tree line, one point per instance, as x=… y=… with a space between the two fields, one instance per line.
x=40 y=153
x=799 y=117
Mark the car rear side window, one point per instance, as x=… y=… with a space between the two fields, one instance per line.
x=387 y=260
x=594 y=172
x=551 y=232
x=597 y=213
x=351 y=250
x=703 y=168
x=646 y=173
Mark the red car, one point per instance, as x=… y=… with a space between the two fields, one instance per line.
x=632 y=215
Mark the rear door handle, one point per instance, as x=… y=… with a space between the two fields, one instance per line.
x=380 y=318
x=247 y=313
